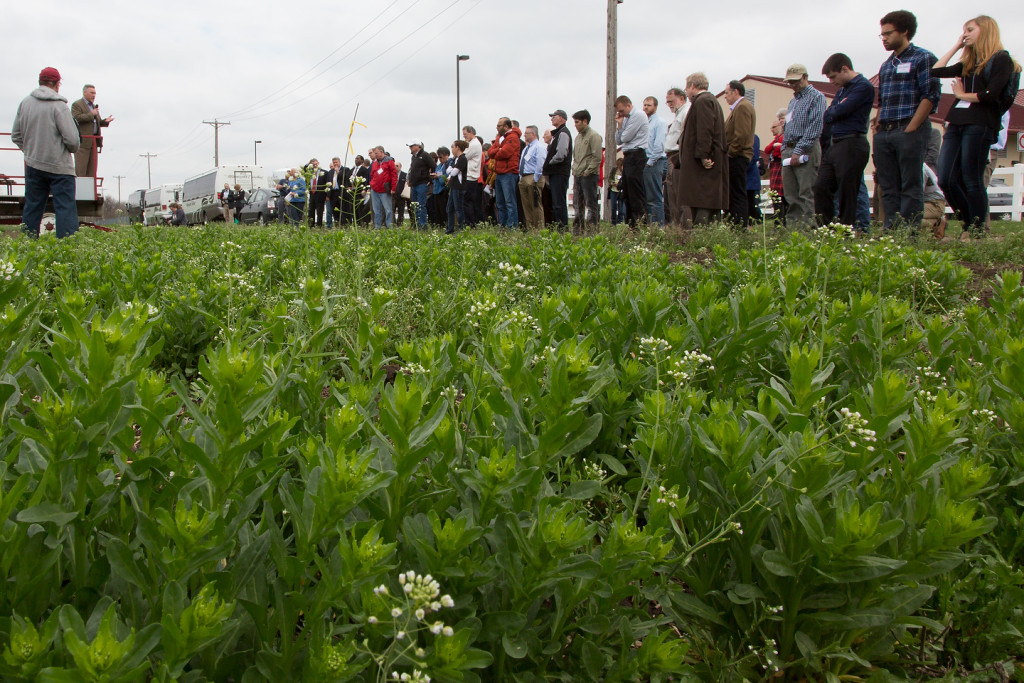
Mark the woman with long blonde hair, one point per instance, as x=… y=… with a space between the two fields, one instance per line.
x=979 y=84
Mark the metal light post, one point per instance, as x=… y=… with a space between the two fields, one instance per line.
x=255 y=142
x=458 y=102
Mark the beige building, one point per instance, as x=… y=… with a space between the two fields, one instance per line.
x=768 y=95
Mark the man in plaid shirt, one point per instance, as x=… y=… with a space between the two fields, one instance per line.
x=907 y=96
x=804 y=119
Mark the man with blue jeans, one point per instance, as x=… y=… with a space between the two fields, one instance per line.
x=907 y=96
x=654 y=172
x=505 y=153
x=47 y=134
x=418 y=179
x=383 y=180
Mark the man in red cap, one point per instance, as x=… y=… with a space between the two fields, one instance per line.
x=46 y=132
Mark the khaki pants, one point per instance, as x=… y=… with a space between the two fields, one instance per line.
x=85 y=161
x=934 y=212
x=533 y=209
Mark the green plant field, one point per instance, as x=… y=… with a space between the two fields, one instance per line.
x=261 y=454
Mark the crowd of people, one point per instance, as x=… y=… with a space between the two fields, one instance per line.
x=690 y=170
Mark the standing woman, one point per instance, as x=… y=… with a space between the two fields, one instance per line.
x=979 y=83
x=773 y=150
x=238 y=202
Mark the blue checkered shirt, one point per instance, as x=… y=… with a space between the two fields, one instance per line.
x=899 y=94
x=804 y=120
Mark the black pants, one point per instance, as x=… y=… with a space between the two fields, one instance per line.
x=739 y=209
x=316 y=209
x=559 y=185
x=471 y=202
x=840 y=175
x=633 y=185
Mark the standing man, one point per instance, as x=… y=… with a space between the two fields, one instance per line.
x=632 y=135
x=804 y=118
x=439 y=196
x=677 y=103
x=336 y=179
x=703 y=163
x=907 y=95
x=87 y=115
x=399 y=201
x=654 y=171
x=739 y=134
x=472 y=189
x=531 y=169
x=586 y=163
x=505 y=153
x=842 y=164
x=420 y=168
x=45 y=131
x=557 y=167
x=383 y=180
x=318 y=193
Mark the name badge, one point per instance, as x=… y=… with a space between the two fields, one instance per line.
x=963 y=104
x=903 y=68
x=379 y=171
x=789 y=116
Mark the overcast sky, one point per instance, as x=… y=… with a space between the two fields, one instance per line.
x=291 y=73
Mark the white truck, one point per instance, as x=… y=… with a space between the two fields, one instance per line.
x=200 y=195
x=158 y=202
x=136 y=206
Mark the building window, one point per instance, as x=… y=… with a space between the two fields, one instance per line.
x=751 y=94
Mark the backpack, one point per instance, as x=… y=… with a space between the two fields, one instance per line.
x=1009 y=94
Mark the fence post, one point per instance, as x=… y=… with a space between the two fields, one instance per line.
x=1017 y=205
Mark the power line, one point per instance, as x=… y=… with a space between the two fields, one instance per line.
x=273 y=95
x=362 y=66
x=149 y=167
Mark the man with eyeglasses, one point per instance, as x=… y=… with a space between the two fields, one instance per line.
x=907 y=96
x=801 y=150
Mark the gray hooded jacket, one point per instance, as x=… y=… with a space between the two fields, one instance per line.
x=46 y=132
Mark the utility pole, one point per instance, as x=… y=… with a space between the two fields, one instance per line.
x=216 y=138
x=610 y=93
x=149 y=167
x=119 y=177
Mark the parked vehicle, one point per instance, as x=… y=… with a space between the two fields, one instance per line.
x=260 y=207
x=1000 y=201
x=199 y=198
x=157 y=201
x=136 y=206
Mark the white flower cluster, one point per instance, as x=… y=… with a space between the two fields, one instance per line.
x=926 y=395
x=7 y=270
x=684 y=369
x=653 y=346
x=238 y=280
x=834 y=228
x=667 y=497
x=520 y=318
x=415 y=369
x=148 y=309
x=514 y=270
x=381 y=291
x=480 y=309
x=327 y=285
x=856 y=425
x=416 y=675
x=640 y=249
x=591 y=470
x=984 y=414
x=770 y=651
x=225 y=245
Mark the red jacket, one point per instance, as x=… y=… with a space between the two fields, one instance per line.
x=382 y=172
x=506 y=154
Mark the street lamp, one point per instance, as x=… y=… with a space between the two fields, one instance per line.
x=458 y=103
x=255 y=142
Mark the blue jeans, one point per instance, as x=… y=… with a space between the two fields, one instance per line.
x=961 y=172
x=618 y=203
x=382 y=209
x=295 y=211
x=505 y=199
x=418 y=196
x=899 y=157
x=559 y=185
x=654 y=176
x=38 y=186
x=456 y=211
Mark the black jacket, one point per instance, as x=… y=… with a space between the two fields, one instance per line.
x=562 y=166
x=419 y=168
